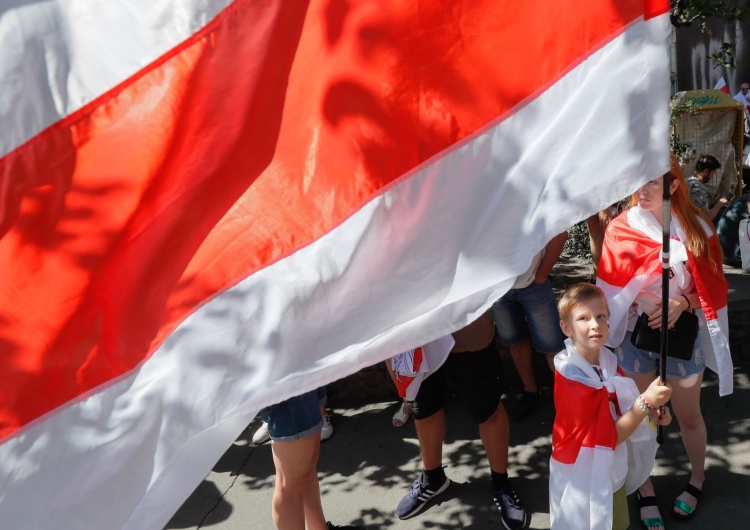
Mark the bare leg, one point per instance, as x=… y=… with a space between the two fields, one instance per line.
x=431 y=433
x=687 y=410
x=521 y=354
x=495 y=435
x=296 y=495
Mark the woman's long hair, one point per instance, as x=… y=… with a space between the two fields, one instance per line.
x=689 y=216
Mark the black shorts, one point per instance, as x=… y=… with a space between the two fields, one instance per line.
x=478 y=376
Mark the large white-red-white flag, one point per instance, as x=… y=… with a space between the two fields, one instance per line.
x=209 y=206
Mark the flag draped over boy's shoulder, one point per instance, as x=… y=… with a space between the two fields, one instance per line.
x=587 y=465
x=631 y=260
x=208 y=206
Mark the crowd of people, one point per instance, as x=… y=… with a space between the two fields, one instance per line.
x=609 y=394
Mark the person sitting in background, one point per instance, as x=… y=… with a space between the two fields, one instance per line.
x=705 y=167
x=728 y=229
x=743 y=96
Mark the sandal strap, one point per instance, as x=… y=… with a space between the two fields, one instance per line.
x=654 y=521
x=685 y=507
x=647 y=501
x=692 y=490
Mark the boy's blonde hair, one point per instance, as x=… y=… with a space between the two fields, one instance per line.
x=577 y=294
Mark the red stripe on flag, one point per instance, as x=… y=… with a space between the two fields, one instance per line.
x=247 y=142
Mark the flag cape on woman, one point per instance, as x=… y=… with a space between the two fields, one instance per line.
x=631 y=260
x=208 y=206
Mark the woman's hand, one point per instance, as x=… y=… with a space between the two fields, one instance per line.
x=651 y=305
x=676 y=306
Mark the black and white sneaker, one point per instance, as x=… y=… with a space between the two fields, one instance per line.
x=421 y=492
x=512 y=514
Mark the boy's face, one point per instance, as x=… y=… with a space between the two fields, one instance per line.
x=588 y=325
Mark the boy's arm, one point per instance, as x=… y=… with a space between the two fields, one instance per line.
x=655 y=396
x=552 y=253
x=629 y=422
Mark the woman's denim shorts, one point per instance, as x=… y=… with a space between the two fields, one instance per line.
x=634 y=361
x=295 y=418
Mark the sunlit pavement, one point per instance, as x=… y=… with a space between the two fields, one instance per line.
x=368 y=465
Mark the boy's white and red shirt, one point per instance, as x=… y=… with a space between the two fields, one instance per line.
x=631 y=261
x=587 y=465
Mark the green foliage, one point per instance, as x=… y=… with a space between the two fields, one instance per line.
x=700 y=12
x=577 y=245
x=678 y=107
x=725 y=56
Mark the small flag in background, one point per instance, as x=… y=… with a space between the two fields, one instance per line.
x=722 y=85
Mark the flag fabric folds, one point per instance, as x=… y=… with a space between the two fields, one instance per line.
x=631 y=261
x=210 y=206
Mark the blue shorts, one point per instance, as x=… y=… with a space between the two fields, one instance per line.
x=531 y=311
x=295 y=418
x=641 y=362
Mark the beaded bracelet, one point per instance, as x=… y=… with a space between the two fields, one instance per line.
x=645 y=404
x=642 y=407
x=687 y=300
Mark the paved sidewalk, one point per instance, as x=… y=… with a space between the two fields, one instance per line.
x=367 y=466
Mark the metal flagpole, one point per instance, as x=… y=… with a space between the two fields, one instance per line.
x=666 y=217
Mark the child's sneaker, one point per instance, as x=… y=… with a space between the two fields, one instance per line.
x=261 y=435
x=512 y=514
x=327 y=429
x=421 y=492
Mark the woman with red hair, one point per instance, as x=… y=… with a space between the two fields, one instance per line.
x=630 y=273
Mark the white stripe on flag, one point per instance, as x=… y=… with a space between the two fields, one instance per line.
x=67 y=39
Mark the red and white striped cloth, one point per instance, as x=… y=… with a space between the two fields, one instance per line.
x=587 y=465
x=209 y=206
x=722 y=85
x=631 y=260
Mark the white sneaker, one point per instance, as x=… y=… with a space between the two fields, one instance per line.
x=327 y=429
x=261 y=435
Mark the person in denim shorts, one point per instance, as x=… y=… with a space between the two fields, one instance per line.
x=294 y=426
x=526 y=317
x=475 y=368
x=630 y=273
